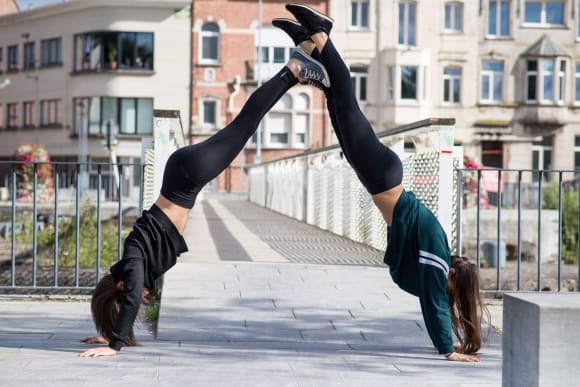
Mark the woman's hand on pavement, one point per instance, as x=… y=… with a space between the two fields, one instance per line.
x=100 y=351
x=456 y=356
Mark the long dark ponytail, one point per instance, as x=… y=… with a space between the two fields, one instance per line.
x=467 y=309
x=105 y=308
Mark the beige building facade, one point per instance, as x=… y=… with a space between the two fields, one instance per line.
x=507 y=70
x=75 y=71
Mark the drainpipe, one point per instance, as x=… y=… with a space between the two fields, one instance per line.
x=379 y=64
x=191 y=76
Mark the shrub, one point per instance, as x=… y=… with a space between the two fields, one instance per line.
x=569 y=218
x=67 y=240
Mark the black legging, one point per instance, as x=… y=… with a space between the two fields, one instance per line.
x=190 y=168
x=377 y=167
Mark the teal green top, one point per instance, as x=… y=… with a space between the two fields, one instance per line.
x=418 y=257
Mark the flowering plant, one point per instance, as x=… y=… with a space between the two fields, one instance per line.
x=470 y=184
x=28 y=156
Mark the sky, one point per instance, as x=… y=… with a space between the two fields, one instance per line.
x=29 y=4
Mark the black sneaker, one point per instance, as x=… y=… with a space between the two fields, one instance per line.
x=292 y=28
x=312 y=20
x=312 y=71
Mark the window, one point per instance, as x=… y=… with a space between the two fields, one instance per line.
x=547 y=12
x=49 y=112
x=280 y=121
x=129 y=115
x=51 y=52
x=499 y=18
x=491 y=81
x=135 y=50
x=454 y=17
x=576 y=152
x=28 y=114
x=209 y=44
x=407 y=23
x=209 y=113
x=12 y=58
x=409 y=82
x=545 y=80
x=112 y=50
x=301 y=120
x=542 y=157
x=28 y=62
x=577 y=83
x=531 y=79
x=359 y=14
x=359 y=82
x=561 y=81
x=287 y=123
x=578 y=22
x=451 y=85
x=12 y=115
x=275 y=54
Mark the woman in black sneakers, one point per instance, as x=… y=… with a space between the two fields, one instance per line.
x=156 y=241
x=417 y=253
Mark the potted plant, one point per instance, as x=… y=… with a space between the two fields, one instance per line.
x=112 y=55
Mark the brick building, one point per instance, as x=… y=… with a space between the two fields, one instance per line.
x=227 y=36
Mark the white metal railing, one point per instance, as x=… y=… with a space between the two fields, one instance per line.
x=321 y=189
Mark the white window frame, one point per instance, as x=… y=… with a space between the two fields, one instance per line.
x=417 y=85
x=357 y=78
x=543 y=21
x=450 y=78
x=577 y=83
x=12 y=120
x=557 y=75
x=358 y=24
x=542 y=149
x=49 y=109
x=405 y=6
x=293 y=112
x=577 y=21
x=201 y=109
x=491 y=75
x=209 y=34
x=498 y=19
x=453 y=7
x=28 y=114
x=576 y=150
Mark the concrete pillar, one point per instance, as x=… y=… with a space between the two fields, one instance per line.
x=541 y=340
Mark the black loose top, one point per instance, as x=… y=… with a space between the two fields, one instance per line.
x=150 y=249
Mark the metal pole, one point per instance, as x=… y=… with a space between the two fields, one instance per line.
x=258 y=157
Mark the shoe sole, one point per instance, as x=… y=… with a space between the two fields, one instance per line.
x=311 y=10
x=308 y=57
x=283 y=19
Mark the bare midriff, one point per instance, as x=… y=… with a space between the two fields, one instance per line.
x=386 y=202
x=177 y=214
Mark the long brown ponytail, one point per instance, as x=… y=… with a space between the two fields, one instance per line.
x=105 y=308
x=467 y=310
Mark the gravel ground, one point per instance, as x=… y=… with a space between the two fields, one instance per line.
x=529 y=277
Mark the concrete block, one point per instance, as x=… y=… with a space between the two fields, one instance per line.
x=541 y=339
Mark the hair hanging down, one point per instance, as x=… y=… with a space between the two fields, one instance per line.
x=105 y=308
x=467 y=310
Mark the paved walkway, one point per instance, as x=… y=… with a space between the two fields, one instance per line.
x=260 y=300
